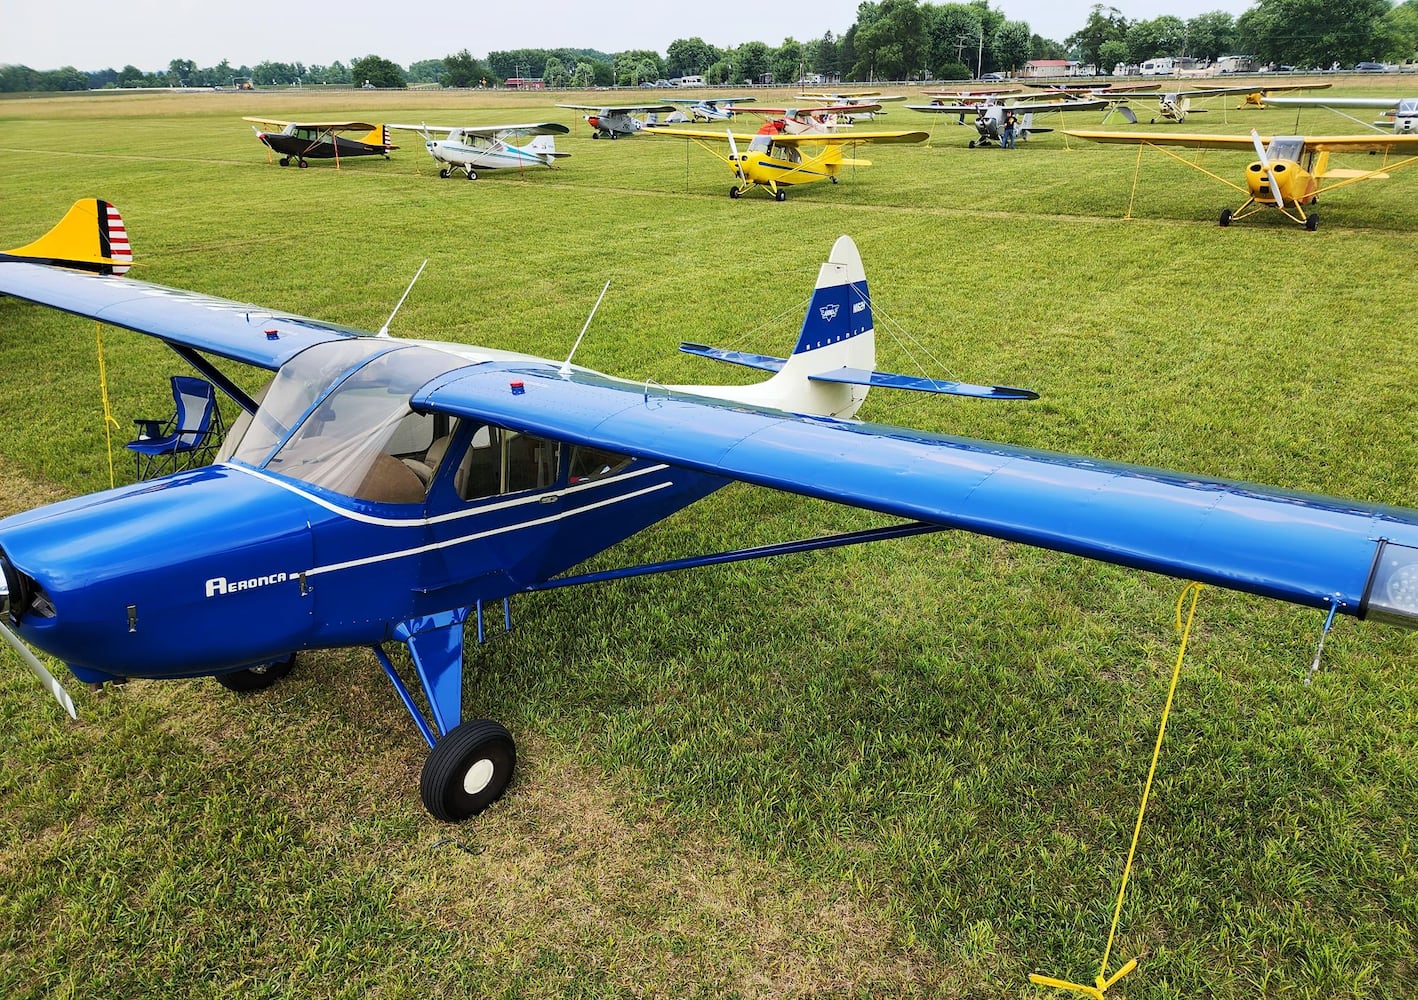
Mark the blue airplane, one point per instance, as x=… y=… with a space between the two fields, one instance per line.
x=386 y=491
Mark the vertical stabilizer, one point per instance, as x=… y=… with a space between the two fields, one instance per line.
x=91 y=236
x=837 y=333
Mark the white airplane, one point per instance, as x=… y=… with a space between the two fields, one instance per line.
x=611 y=121
x=473 y=147
x=990 y=115
x=710 y=109
x=1399 y=113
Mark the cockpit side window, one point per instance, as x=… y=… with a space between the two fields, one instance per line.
x=499 y=461
x=589 y=464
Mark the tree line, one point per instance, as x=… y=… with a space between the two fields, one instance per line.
x=890 y=40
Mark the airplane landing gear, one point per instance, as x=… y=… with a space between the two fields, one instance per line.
x=467 y=770
x=735 y=192
x=257 y=678
x=472 y=174
x=444 y=173
x=1225 y=219
x=303 y=164
x=780 y=195
x=284 y=161
x=972 y=143
x=1312 y=222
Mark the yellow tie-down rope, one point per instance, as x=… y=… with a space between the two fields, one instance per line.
x=1103 y=982
x=108 y=422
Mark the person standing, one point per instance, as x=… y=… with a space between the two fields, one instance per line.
x=1007 y=133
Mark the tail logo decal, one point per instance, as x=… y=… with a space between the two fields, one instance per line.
x=828 y=312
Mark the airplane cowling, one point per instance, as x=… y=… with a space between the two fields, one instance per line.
x=193 y=574
x=1297 y=185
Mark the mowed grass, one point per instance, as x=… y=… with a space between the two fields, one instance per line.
x=903 y=770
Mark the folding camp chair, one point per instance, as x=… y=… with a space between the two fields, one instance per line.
x=186 y=440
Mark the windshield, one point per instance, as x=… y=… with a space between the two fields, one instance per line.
x=335 y=416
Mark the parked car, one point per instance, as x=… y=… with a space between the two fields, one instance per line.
x=1370 y=67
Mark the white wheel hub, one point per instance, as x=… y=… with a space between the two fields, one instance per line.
x=478 y=777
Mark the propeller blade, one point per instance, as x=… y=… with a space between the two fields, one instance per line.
x=45 y=677
x=1269 y=174
x=734 y=155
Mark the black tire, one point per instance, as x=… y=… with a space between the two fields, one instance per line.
x=472 y=175
x=1225 y=219
x=972 y=143
x=734 y=192
x=833 y=178
x=780 y=195
x=595 y=135
x=443 y=173
x=257 y=678
x=284 y=161
x=303 y=164
x=615 y=135
x=1312 y=222
x=467 y=770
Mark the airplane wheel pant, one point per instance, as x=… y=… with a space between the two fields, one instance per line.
x=467 y=770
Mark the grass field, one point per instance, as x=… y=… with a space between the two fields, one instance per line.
x=903 y=770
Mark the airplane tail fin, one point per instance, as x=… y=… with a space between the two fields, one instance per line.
x=378 y=136
x=91 y=236
x=836 y=335
x=544 y=146
x=833 y=363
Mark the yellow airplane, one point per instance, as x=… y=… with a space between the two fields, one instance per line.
x=1289 y=171
x=775 y=160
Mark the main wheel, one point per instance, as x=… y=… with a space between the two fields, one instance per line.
x=972 y=143
x=467 y=770
x=257 y=678
x=595 y=135
x=303 y=164
x=1225 y=219
x=1312 y=221
x=780 y=195
x=833 y=178
x=734 y=192
x=284 y=161
x=472 y=175
x=443 y=173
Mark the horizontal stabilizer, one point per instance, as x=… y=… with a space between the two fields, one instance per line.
x=888 y=380
x=765 y=362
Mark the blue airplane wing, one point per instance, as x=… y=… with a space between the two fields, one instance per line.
x=250 y=334
x=1307 y=549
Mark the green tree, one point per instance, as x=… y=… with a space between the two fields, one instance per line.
x=1211 y=35
x=1104 y=24
x=1012 y=45
x=750 y=62
x=690 y=57
x=891 y=42
x=635 y=66
x=1400 y=33
x=787 y=64
x=460 y=69
x=955 y=33
x=1110 y=54
x=1314 y=32
x=427 y=71
x=378 y=72
x=1161 y=36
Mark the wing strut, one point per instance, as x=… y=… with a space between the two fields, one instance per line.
x=905 y=530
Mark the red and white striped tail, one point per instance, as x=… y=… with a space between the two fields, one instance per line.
x=115 y=234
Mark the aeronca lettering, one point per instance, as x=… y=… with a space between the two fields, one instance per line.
x=220 y=585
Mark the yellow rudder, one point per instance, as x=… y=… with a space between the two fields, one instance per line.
x=91 y=236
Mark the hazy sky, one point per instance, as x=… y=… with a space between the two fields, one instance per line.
x=91 y=35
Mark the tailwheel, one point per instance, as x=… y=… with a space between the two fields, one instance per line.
x=735 y=192
x=1312 y=222
x=467 y=770
x=1225 y=219
x=443 y=173
x=780 y=195
x=257 y=678
x=284 y=161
